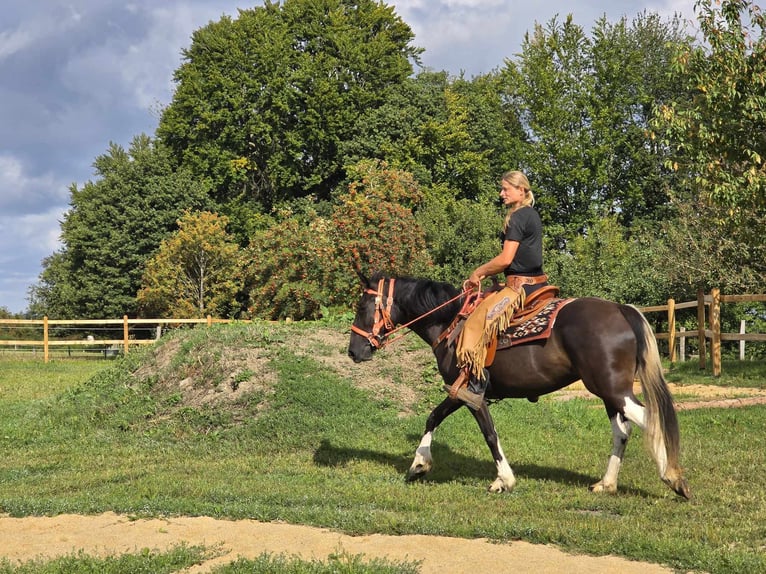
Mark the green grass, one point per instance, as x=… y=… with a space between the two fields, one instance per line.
x=183 y=557
x=748 y=374
x=145 y=561
x=318 y=449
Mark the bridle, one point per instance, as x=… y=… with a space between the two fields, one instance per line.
x=382 y=318
x=382 y=324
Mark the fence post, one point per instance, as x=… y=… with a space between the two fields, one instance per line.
x=209 y=320
x=682 y=343
x=715 y=327
x=45 y=338
x=672 y=330
x=125 y=332
x=702 y=337
x=742 y=342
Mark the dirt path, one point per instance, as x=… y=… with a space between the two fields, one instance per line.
x=112 y=534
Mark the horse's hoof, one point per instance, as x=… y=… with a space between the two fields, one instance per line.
x=680 y=487
x=499 y=486
x=417 y=472
x=601 y=487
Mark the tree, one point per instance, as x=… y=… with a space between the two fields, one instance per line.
x=585 y=103
x=305 y=262
x=717 y=141
x=606 y=263
x=113 y=226
x=719 y=136
x=460 y=234
x=704 y=247
x=289 y=265
x=454 y=135
x=263 y=102
x=196 y=272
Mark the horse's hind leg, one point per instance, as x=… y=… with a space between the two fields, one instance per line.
x=621 y=430
x=423 y=462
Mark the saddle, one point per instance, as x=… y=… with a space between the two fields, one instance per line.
x=533 y=304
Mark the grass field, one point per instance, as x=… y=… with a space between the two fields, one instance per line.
x=309 y=442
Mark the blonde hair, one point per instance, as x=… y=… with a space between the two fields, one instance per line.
x=518 y=179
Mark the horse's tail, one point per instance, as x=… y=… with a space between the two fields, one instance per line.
x=662 y=433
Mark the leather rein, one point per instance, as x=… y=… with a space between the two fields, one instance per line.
x=383 y=326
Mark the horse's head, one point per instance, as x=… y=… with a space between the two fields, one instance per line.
x=373 y=318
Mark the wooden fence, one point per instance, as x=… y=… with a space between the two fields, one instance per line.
x=708 y=328
x=708 y=325
x=124 y=343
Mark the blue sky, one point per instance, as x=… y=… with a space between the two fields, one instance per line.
x=76 y=75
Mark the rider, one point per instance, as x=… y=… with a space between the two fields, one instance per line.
x=521 y=258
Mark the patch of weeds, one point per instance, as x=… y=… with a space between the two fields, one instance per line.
x=336 y=563
x=179 y=558
x=241 y=377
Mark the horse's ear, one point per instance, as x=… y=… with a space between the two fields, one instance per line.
x=357 y=265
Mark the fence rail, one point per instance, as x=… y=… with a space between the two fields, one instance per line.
x=707 y=329
x=125 y=342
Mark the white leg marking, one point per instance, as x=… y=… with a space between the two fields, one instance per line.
x=636 y=413
x=505 y=480
x=423 y=462
x=621 y=430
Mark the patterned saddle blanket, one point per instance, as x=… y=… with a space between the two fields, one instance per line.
x=533 y=328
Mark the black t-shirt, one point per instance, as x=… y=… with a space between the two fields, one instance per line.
x=526 y=228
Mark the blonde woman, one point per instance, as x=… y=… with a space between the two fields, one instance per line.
x=521 y=260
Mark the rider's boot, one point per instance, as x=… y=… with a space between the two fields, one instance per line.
x=477 y=386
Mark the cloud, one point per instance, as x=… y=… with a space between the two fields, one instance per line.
x=33 y=237
x=22 y=193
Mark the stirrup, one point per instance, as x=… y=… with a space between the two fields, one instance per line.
x=471 y=400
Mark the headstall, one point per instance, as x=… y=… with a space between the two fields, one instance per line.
x=382 y=319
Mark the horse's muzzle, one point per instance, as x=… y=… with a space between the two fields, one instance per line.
x=360 y=355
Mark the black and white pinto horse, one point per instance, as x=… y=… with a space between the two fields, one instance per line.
x=605 y=344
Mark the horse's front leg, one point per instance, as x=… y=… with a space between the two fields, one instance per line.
x=505 y=480
x=423 y=463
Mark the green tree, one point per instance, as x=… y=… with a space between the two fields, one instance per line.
x=375 y=227
x=196 y=271
x=607 y=263
x=585 y=103
x=460 y=235
x=263 y=102
x=717 y=141
x=452 y=134
x=289 y=265
x=719 y=136
x=113 y=226
x=305 y=262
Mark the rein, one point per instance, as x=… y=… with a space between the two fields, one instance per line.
x=382 y=318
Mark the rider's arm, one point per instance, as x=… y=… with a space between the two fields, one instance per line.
x=495 y=265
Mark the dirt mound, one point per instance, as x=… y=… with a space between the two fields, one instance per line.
x=215 y=375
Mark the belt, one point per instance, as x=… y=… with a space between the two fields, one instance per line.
x=516 y=281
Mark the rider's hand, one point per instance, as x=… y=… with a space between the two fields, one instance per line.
x=475 y=280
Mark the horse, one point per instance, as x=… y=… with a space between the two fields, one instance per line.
x=604 y=344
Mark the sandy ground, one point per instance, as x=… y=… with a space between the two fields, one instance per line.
x=112 y=534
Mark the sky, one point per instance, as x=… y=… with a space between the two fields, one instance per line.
x=77 y=75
